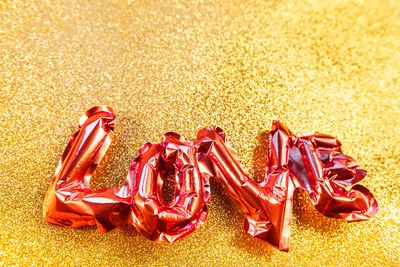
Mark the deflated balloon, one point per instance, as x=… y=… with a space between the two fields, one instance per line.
x=312 y=162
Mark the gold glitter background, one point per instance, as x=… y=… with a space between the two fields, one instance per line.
x=330 y=66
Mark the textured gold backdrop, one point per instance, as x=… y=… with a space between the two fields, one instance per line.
x=330 y=66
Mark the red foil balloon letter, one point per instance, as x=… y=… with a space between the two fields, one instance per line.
x=313 y=162
x=69 y=201
x=176 y=159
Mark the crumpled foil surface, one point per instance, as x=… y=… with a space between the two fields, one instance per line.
x=312 y=162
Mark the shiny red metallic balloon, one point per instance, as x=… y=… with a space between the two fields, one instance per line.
x=174 y=158
x=69 y=201
x=312 y=162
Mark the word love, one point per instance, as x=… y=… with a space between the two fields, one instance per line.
x=312 y=162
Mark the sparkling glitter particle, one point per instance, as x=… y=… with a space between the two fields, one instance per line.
x=179 y=66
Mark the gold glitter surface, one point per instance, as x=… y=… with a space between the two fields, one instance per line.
x=330 y=66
